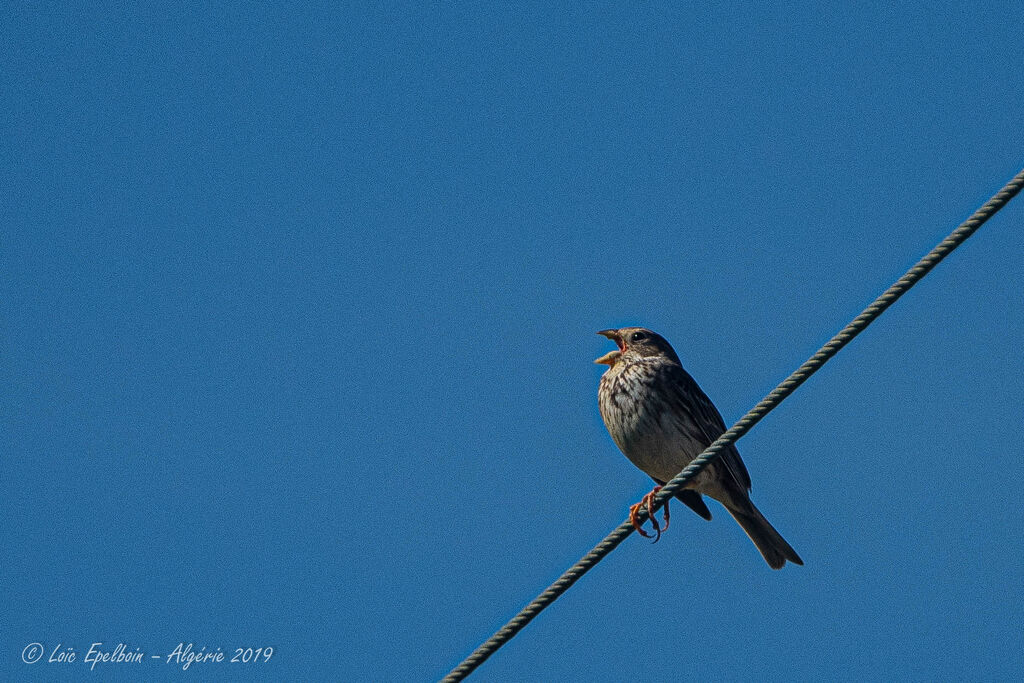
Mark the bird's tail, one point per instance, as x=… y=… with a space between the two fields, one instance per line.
x=769 y=541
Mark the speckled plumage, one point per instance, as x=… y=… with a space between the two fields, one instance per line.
x=661 y=420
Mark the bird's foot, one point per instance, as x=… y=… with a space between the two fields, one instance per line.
x=648 y=501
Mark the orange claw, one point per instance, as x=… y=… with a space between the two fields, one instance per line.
x=648 y=500
x=633 y=510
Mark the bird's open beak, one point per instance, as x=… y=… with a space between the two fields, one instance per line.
x=611 y=357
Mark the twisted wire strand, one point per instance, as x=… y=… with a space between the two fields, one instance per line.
x=744 y=425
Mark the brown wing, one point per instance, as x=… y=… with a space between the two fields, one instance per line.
x=690 y=400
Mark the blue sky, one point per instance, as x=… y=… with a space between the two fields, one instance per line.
x=299 y=308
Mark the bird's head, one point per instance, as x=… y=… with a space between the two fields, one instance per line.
x=636 y=342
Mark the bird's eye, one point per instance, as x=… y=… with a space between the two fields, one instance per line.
x=637 y=337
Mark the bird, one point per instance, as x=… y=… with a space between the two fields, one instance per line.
x=661 y=420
